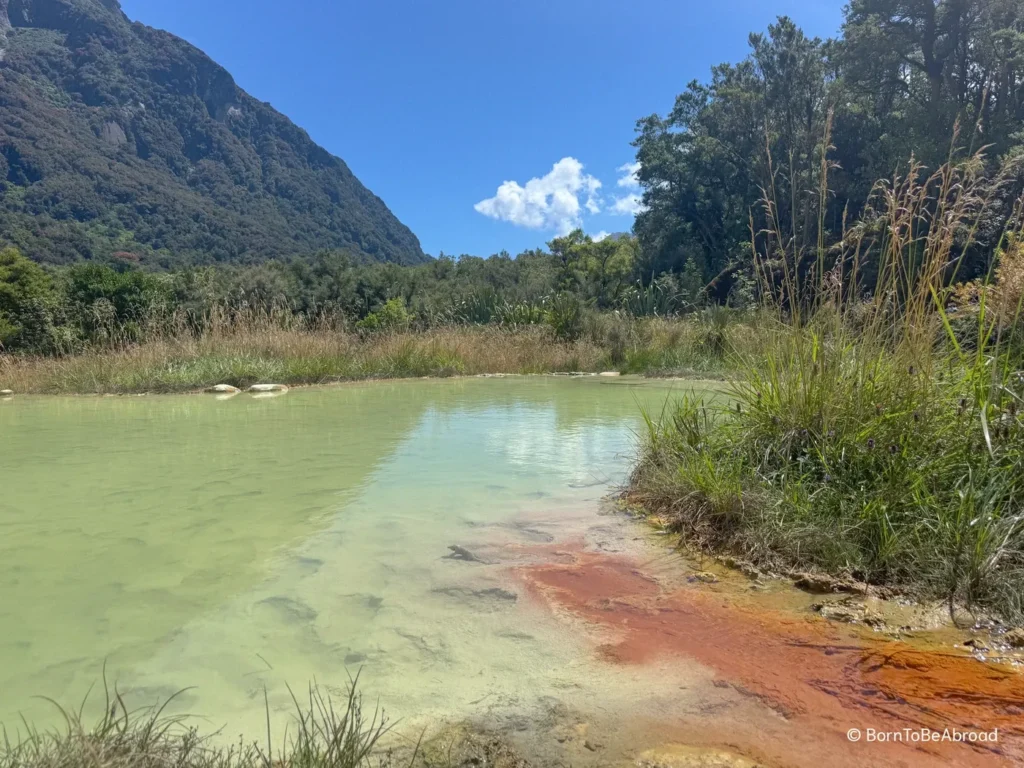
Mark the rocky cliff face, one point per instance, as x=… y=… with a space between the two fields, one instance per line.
x=118 y=137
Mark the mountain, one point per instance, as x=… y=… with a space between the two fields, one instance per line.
x=116 y=137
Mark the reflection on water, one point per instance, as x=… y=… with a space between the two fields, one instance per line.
x=237 y=544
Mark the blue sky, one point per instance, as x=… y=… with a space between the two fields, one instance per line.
x=436 y=104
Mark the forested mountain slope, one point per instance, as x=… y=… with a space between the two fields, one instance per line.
x=115 y=137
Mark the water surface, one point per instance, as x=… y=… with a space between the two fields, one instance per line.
x=232 y=545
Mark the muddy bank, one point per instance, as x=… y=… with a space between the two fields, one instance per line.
x=812 y=680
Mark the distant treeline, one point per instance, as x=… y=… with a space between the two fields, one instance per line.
x=777 y=155
x=61 y=309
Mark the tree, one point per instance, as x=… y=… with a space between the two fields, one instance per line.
x=799 y=112
x=756 y=128
x=26 y=304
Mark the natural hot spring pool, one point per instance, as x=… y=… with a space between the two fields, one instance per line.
x=235 y=545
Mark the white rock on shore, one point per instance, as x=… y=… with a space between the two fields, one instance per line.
x=224 y=389
x=267 y=388
x=6 y=392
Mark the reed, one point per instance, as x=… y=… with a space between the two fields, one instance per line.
x=262 y=346
x=878 y=432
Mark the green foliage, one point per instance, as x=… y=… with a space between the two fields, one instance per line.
x=122 y=138
x=896 y=84
x=660 y=298
x=325 y=734
x=863 y=435
x=392 y=316
x=565 y=316
x=597 y=271
x=26 y=304
x=518 y=314
x=110 y=304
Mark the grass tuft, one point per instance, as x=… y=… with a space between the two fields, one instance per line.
x=880 y=438
x=323 y=736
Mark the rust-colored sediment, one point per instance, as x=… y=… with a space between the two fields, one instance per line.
x=821 y=679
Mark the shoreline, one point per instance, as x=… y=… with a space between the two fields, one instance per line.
x=675 y=376
x=744 y=663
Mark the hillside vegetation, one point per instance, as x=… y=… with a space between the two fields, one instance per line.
x=119 y=138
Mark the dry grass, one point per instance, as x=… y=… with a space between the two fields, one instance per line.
x=881 y=437
x=270 y=349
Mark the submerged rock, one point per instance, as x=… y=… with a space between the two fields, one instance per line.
x=461 y=553
x=223 y=389
x=290 y=608
x=490 y=594
x=267 y=388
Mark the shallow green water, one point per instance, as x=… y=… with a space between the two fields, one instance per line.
x=235 y=544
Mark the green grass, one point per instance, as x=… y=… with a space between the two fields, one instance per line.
x=323 y=734
x=877 y=438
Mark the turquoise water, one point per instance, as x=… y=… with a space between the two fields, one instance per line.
x=233 y=545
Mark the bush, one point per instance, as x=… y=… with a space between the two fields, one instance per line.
x=565 y=316
x=393 y=316
x=27 y=303
x=865 y=437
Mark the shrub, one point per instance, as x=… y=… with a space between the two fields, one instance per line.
x=865 y=436
x=392 y=316
x=27 y=302
x=565 y=316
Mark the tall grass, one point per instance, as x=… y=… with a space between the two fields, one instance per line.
x=878 y=432
x=322 y=735
x=263 y=346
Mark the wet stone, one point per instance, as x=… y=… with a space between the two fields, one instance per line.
x=822 y=584
x=1015 y=638
x=704 y=577
x=848 y=611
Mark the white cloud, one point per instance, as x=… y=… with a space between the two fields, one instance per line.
x=548 y=202
x=629 y=177
x=630 y=205
x=600 y=236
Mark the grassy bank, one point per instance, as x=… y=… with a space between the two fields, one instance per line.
x=268 y=349
x=880 y=438
x=324 y=734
